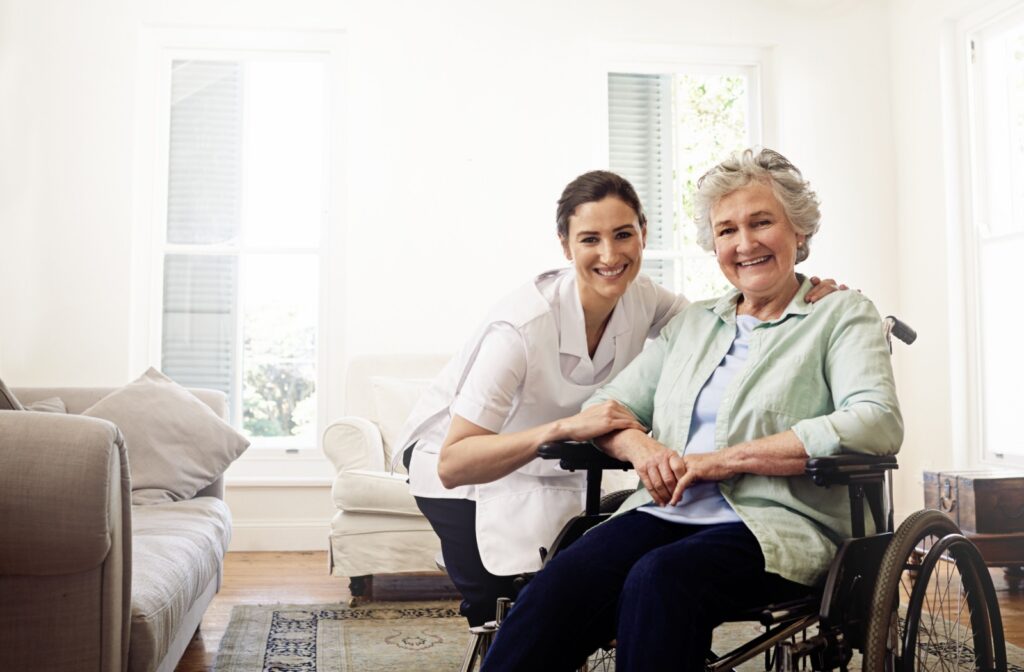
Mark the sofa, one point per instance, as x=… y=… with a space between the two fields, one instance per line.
x=377 y=528
x=87 y=580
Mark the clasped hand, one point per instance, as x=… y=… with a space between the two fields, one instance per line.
x=665 y=473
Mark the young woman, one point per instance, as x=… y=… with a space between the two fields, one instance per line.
x=470 y=444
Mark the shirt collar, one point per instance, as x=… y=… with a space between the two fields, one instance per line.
x=572 y=328
x=725 y=307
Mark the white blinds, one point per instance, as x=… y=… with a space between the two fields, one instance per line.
x=203 y=207
x=640 y=149
x=204 y=185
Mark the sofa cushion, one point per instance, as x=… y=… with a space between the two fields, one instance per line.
x=177 y=549
x=365 y=491
x=8 y=402
x=176 y=444
x=48 y=405
x=394 y=399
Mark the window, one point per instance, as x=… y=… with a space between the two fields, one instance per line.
x=245 y=207
x=664 y=131
x=235 y=190
x=996 y=236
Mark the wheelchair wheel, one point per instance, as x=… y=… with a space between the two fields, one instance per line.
x=611 y=502
x=953 y=618
x=602 y=660
x=933 y=602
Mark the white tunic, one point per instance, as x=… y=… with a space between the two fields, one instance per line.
x=528 y=365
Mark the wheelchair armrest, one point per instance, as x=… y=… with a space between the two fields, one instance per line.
x=573 y=455
x=848 y=467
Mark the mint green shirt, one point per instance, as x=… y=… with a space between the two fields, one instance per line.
x=822 y=370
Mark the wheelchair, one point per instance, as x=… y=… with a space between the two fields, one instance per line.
x=919 y=597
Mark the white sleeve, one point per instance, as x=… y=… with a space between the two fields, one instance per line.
x=667 y=305
x=495 y=376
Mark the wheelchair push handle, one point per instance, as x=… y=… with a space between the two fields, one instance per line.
x=901 y=330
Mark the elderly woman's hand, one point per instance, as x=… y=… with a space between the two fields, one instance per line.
x=714 y=466
x=658 y=467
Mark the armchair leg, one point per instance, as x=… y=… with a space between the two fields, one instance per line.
x=361 y=589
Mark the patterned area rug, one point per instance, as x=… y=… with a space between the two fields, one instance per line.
x=386 y=637
x=380 y=637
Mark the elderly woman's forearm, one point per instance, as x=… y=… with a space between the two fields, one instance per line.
x=781 y=454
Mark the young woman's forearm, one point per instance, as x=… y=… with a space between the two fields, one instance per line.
x=471 y=454
x=482 y=458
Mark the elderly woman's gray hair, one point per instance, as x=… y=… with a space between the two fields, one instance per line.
x=771 y=168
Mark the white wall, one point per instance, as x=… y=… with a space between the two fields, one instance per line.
x=464 y=121
x=929 y=148
x=463 y=125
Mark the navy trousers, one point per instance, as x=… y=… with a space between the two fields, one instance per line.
x=658 y=588
x=454 y=521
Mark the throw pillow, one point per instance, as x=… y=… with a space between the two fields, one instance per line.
x=394 y=399
x=8 y=402
x=48 y=405
x=176 y=444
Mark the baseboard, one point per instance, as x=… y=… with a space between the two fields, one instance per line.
x=279 y=535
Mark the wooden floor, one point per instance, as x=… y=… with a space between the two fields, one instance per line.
x=266 y=578
x=261 y=578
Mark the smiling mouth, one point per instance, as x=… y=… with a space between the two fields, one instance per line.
x=754 y=262
x=611 y=272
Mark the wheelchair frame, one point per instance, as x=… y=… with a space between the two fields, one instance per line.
x=853 y=610
x=859 y=605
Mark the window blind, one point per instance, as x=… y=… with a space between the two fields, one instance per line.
x=640 y=149
x=200 y=302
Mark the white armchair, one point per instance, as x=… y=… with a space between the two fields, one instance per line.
x=378 y=529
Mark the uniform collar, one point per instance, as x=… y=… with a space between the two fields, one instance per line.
x=725 y=307
x=572 y=327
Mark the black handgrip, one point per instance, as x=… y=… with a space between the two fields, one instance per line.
x=574 y=455
x=901 y=330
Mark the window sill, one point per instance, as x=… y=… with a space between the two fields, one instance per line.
x=276 y=482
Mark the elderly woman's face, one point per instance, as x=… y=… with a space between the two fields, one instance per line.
x=754 y=242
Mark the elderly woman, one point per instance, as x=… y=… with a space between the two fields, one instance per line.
x=739 y=392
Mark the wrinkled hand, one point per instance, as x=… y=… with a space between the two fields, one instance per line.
x=658 y=467
x=701 y=467
x=822 y=288
x=598 y=420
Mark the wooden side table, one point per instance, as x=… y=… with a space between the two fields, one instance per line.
x=1002 y=550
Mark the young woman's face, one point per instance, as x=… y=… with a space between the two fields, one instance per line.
x=605 y=245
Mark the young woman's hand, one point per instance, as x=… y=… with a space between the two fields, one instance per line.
x=595 y=421
x=822 y=288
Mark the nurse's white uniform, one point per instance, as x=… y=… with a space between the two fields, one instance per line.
x=526 y=366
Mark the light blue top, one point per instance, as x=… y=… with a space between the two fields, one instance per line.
x=822 y=370
x=703 y=503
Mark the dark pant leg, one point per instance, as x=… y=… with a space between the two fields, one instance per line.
x=676 y=594
x=454 y=521
x=568 y=609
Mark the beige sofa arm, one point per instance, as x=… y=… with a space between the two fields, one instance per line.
x=65 y=499
x=354 y=443
x=62 y=478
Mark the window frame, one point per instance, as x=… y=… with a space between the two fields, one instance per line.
x=970 y=232
x=672 y=59
x=271 y=460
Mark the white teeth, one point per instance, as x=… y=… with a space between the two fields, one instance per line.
x=610 y=272
x=753 y=261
